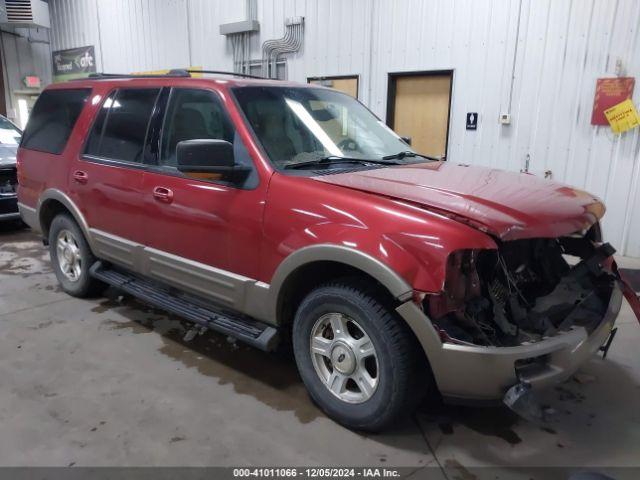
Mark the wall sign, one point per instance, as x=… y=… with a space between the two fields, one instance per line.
x=31 y=81
x=610 y=92
x=73 y=63
x=623 y=116
x=472 y=121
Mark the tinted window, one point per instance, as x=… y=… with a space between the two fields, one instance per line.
x=93 y=144
x=52 y=119
x=120 y=127
x=193 y=114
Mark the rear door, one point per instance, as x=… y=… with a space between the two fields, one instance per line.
x=203 y=234
x=106 y=179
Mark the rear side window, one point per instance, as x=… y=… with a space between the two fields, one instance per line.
x=53 y=118
x=120 y=128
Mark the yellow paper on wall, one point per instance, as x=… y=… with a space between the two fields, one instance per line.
x=623 y=116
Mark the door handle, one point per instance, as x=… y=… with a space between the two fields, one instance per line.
x=163 y=194
x=80 y=176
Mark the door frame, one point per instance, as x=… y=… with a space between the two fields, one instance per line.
x=391 y=96
x=338 y=77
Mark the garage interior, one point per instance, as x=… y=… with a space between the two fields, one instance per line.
x=506 y=84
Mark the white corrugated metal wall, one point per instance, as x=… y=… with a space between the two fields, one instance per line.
x=537 y=59
x=25 y=51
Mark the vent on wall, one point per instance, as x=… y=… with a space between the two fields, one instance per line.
x=26 y=13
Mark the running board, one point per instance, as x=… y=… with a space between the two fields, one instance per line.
x=243 y=328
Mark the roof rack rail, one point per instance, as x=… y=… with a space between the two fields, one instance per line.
x=235 y=74
x=172 y=73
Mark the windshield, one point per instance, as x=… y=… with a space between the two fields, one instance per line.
x=9 y=133
x=298 y=125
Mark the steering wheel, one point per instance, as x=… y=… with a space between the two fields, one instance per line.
x=348 y=144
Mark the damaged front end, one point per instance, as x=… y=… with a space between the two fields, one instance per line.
x=525 y=291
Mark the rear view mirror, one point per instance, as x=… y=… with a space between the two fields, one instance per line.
x=208 y=156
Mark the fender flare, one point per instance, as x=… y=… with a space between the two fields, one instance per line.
x=57 y=195
x=394 y=283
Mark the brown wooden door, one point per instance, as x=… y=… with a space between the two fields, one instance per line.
x=419 y=108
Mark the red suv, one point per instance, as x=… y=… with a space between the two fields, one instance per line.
x=278 y=212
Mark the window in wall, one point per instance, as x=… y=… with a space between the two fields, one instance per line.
x=193 y=114
x=256 y=69
x=345 y=84
x=121 y=125
x=53 y=118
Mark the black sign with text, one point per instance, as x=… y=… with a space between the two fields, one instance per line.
x=73 y=63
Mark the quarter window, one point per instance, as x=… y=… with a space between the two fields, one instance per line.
x=193 y=114
x=53 y=118
x=120 y=127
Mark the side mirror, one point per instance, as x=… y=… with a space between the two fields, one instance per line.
x=208 y=156
x=406 y=140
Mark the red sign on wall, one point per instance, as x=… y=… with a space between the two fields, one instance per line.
x=610 y=92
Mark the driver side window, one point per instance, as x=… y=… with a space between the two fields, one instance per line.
x=193 y=114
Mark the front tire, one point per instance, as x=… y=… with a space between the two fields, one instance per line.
x=71 y=258
x=358 y=360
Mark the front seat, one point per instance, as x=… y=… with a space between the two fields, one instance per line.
x=274 y=136
x=189 y=125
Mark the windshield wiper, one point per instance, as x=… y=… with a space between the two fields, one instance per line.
x=337 y=159
x=408 y=153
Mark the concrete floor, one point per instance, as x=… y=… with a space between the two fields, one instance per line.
x=106 y=382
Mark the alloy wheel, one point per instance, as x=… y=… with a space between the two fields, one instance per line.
x=344 y=358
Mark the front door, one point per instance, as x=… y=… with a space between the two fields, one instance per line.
x=202 y=234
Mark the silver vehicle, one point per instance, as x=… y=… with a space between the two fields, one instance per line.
x=10 y=136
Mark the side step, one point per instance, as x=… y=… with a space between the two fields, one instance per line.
x=245 y=329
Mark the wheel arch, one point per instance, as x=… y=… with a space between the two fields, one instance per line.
x=53 y=202
x=318 y=263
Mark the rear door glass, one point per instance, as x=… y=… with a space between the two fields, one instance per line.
x=121 y=125
x=53 y=118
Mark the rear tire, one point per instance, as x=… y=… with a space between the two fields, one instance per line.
x=371 y=372
x=71 y=258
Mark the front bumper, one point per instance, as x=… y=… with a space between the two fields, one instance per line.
x=8 y=207
x=469 y=373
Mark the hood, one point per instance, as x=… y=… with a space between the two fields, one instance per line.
x=7 y=155
x=505 y=204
